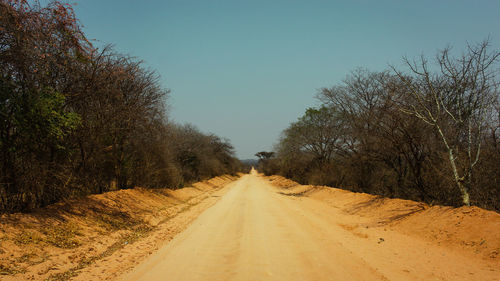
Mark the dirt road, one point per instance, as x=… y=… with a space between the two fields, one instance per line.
x=256 y=233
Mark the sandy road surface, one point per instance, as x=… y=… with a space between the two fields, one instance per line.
x=256 y=233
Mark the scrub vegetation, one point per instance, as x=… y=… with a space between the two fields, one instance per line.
x=428 y=132
x=76 y=119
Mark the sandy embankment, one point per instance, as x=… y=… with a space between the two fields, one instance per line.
x=100 y=236
x=469 y=230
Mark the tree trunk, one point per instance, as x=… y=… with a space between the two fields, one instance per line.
x=463 y=189
x=459 y=181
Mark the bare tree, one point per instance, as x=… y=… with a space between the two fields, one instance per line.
x=454 y=100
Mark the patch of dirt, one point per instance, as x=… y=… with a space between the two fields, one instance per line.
x=282 y=182
x=119 y=228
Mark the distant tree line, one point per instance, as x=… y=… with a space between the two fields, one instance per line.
x=75 y=119
x=429 y=132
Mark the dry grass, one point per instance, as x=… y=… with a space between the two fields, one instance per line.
x=115 y=220
x=11 y=269
x=28 y=237
x=61 y=236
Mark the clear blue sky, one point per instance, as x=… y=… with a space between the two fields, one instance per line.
x=245 y=69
